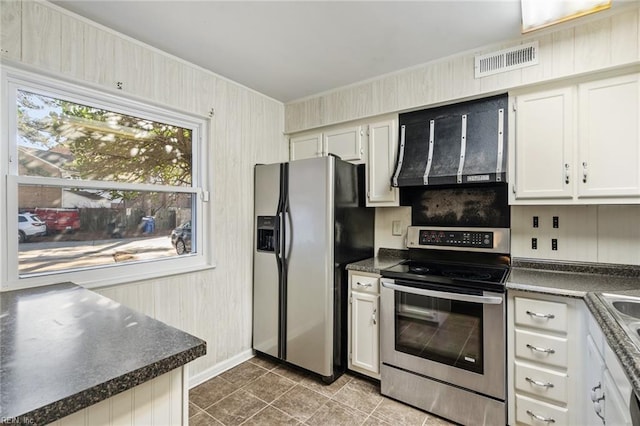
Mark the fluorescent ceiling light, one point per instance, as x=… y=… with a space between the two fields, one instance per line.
x=542 y=13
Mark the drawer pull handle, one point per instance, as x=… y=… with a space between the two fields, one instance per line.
x=594 y=392
x=598 y=409
x=537 y=315
x=540 y=418
x=544 y=350
x=363 y=285
x=538 y=383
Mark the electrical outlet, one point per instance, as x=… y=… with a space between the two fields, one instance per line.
x=396 y=228
x=534 y=244
x=556 y=223
x=554 y=244
x=535 y=221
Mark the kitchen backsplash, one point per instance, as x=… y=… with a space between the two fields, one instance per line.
x=385 y=218
x=604 y=234
x=595 y=233
x=463 y=205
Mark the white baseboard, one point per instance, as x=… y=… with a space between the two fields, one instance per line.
x=219 y=368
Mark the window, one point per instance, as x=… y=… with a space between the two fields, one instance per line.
x=106 y=184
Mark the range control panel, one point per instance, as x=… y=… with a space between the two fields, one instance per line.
x=456 y=238
x=494 y=240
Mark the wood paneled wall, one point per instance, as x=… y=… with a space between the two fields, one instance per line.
x=596 y=43
x=246 y=128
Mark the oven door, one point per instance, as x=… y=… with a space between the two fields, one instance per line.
x=454 y=335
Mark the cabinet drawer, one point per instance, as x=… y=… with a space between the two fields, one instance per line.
x=365 y=283
x=536 y=347
x=532 y=412
x=541 y=314
x=540 y=382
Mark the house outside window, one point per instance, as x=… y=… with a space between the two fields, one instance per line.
x=115 y=180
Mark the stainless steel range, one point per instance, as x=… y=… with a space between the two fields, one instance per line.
x=444 y=325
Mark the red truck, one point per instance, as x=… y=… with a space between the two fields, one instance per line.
x=59 y=220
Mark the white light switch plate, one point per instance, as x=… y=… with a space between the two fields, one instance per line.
x=396 y=227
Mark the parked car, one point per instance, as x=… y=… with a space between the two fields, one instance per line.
x=59 y=220
x=30 y=225
x=181 y=238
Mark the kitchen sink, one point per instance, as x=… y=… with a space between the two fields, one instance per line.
x=626 y=311
x=629 y=308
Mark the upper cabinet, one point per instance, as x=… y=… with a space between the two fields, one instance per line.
x=609 y=136
x=578 y=144
x=373 y=143
x=383 y=146
x=306 y=146
x=344 y=142
x=544 y=145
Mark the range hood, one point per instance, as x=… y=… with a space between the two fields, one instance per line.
x=464 y=143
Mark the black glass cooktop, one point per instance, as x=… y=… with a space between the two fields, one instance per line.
x=445 y=272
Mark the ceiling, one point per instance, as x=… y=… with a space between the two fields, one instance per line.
x=292 y=49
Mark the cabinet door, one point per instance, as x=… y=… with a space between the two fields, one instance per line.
x=365 y=332
x=594 y=392
x=616 y=410
x=344 y=142
x=609 y=138
x=544 y=142
x=308 y=146
x=383 y=142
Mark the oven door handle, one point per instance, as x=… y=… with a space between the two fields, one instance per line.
x=486 y=300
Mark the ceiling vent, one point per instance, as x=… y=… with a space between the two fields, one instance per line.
x=506 y=60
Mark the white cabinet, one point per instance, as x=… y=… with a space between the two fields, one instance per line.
x=607 y=391
x=594 y=392
x=578 y=144
x=383 y=147
x=345 y=142
x=305 y=146
x=374 y=143
x=608 y=132
x=364 y=327
x=544 y=363
x=617 y=391
x=544 y=145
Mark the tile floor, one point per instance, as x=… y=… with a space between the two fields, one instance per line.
x=262 y=392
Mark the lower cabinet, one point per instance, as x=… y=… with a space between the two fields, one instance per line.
x=364 y=327
x=608 y=389
x=594 y=390
x=545 y=335
x=561 y=369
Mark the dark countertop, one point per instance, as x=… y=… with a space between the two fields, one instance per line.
x=63 y=348
x=566 y=283
x=386 y=258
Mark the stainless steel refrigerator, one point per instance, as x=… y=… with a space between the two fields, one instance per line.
x=310 y=221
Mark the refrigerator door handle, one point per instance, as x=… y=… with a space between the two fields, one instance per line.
x=288 y=223
x=278 y=237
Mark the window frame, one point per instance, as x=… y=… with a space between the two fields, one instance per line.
x=14 y=79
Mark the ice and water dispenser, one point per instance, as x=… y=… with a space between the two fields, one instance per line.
x=267 y=231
